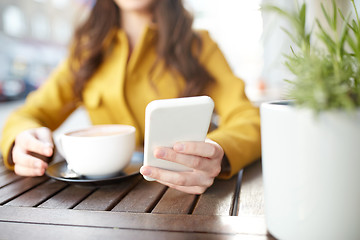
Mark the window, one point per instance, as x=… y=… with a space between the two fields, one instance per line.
x=14 y=21
x=237 y=27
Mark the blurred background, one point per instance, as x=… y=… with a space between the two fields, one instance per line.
x=33 y=38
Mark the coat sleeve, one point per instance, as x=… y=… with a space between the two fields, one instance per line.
x=238 y=131
x=48 y=106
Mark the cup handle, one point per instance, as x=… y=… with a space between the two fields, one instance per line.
x=59 y=146
x=60 y=149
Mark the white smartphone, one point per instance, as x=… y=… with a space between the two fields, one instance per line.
x=168 y=121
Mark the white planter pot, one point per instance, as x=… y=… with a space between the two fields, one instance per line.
x=311 y=172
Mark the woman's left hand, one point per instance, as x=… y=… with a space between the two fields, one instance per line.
x=203 y=157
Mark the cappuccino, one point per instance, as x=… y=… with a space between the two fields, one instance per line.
x=99 y=130
x=95 y=133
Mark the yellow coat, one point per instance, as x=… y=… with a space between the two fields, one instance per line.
x=120 y=90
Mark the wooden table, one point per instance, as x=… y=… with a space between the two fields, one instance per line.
x=40 y=207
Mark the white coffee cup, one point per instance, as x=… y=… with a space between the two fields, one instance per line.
x=98 y=151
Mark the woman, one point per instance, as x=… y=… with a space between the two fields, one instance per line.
x=128 y=53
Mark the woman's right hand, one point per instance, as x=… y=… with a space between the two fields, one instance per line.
x=31 y=151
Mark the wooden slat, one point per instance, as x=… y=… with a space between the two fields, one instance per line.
x=2 y=167
x=3 y=170
x=251 y=197
x=250 y=225
x=7 y=178
x=218 y=199
x=37 y=195
x=42 y=231
x=175 y=202
x=105 y=198
x=15 y=189
x=68 y=198
x=142 y=198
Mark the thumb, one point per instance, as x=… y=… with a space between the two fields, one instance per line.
x=45 y=135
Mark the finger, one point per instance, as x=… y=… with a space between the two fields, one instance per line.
x=203 y=149
x=177 y=178
x=195 y=162
x=186 y=189
x=30 y=143
x=28 y=171
x=44 y=134
x=28 y=161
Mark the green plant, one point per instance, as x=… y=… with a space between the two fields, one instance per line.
x=327 y=77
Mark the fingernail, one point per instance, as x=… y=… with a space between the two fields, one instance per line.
x=146 y=171
x=48 y=151
x=41 y=172
x=160 y=153
x=179 y=147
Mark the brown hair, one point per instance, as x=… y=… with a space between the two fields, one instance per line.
x=174 y=43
